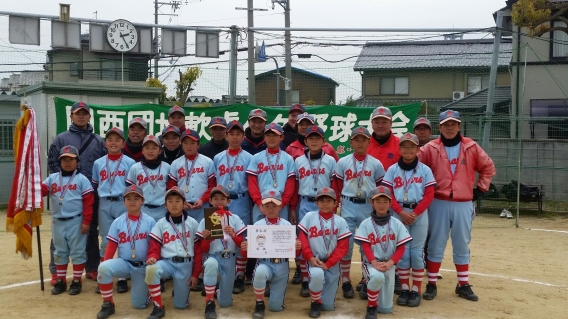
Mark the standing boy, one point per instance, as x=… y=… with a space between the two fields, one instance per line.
x=325 y=240
x=355 y=176
x=72 y=201
x=129 y=235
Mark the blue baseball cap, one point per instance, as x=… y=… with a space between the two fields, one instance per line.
x=422 y=121
x=271 y=195
x=297 y=107
x=69 y=151
x=259 y=113
x=274 y=127
x=314 y=129
x=191 y=134
x=172 y=129
x=235 y=124
x=218 y=121
x=80 y=106
x=115 y=130
x=305 y=116
x=133 y=189
x=449 y=115
x=175 y=109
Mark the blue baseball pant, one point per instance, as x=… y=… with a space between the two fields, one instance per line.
x=68 y=241
x=215 y=266
x=412 y=257
x=277 y=274
x=156 y=213
x=326 y=282
x=197 y=214
x=383 y=281
x=305 y=207
x=108 y=212
x=257 y=215
x=120 y=268
x=180 y=272
x=354 y=214
x=241 y=207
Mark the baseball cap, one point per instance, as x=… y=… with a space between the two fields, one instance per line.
x=133 y=189
x=271 y=195
x=305 y=116
x=326 y=191
x=115 y=130
x=218 y=121
x=138 y=120
x=381 y=191
x=174 y=190
x=276 y=128
x=261 y=114
x=69 y=151
x=80 y=106
x=235 y=124
x=151 y=139
x=360 y=131
x=422 y=121
x=314 y=129
x=297 y=107
x=219 y=189
x=191 y=134
x=174 y=109
x=409 y=137
x=171 y=128
x=381 y=111
x=449 y=115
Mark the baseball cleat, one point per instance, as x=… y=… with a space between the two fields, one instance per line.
x=199 y=286
x=315 y=310
x=92 y=275
x=75 y=287
x=413 y=299
x=431 y=292
x=267 y=289
x=466 y=292
x=305 y=291
x=121 y=286
x=157 y=313
x=402 y=299
x=239 y=285
x=360 y=284
x=107 y=309
x=371 y=313
x=397 y=285
x=258 y=310
x=347 y=288
x=297 y=279
x=363 y=292
x=162 y=285
x=210 y=310
x=59 y=288
x=440 y=276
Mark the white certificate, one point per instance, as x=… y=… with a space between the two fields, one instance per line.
x=272 y=241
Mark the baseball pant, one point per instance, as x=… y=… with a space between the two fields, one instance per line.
x=305 y=207
x=450 y=219
x=277 y=274
x=326 y=282
x=197 y=214
x=257 y=215
x=157 y=213
x=108 y=212
x=180 y=272
x=225 y=267
x=68 y=241
x=120 y=268
x=354 y=214
x=412 y=257
x=93 y=258
x=241 y=207
x=383 y=281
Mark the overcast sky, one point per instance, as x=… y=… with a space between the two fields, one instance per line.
x=304 y=13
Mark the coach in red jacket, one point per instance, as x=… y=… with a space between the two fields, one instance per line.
x=298 y=147
x=384 y=145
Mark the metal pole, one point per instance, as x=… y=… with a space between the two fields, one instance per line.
x=42 y=287
x=251 y=47
x=233 y=75
x=397 y=30
x=277 y=73
x=492 y=82
x=122 y=68
x=288 y=52
x=156 y=51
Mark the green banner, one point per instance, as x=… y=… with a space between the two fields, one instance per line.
x=336 y=121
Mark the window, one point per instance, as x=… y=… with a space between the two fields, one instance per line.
x=394 y=86
x=551 y=121
x=111 y=71
x=476 y=83
x=74 y=69
x=7 y=137
x=559 y=42
x=295 y=97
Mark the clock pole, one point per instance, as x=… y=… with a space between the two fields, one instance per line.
x=122 y=68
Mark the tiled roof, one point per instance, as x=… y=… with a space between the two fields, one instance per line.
x=282 y=70
x=477 y=102
x=431 y=55
x=378 y=102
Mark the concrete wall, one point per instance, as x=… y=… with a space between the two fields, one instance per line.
x=314 y=88
x=8 y=111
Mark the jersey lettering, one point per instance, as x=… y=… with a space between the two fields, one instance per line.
x=227 y=170
x=398 y=181
x=104 y=175
x=315 y=232
x=307 y=172
x=123 y=238
x=167 y=238
x=373 y=240
x=349 y=174
x=142 y=179
x=56 y=188
x=181 y=171
x=265 y=168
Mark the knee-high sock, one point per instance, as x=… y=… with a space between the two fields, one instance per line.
x=404 y=276
x=61 y=271
x=316 y=296
x=345 y=268
x=259 y=293
x=241 y=266
x=433 y=269
x=304 y=270
x=209 y=293
x=106 y=292
x=417 y=275
x=78 y=271
x=156 y=294
x=463 y=274
x=372 y=298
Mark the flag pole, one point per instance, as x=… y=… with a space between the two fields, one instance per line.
x=42 y=284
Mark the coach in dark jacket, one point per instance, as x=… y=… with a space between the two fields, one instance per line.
x=290 y=129
x=218 y=142
x=91 y=148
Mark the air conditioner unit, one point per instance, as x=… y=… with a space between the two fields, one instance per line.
x=458 y=95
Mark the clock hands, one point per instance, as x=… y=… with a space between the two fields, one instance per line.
x=122 y=36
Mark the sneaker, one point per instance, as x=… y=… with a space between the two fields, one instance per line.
x=59 y=287
x=431 y=292
x=258 y=310
x=371 y=313
x=75 y=287
x=92 y=275
x=163 y=285
x=210 y=310
x=121 y=286
x=248 y=280
x=98 y=289
x=413 y=299
x=466 y=292
x=397 y=285
x=363 y=292
x=239 y=285
x=315 y=310
x=297 y=279
x=53 y=279
x=402 y=299
x=360 y=284
x=503 y=213
x=157 y=313
x=199 y=286
x=509 y=215
x=347 y=288
x=440 y=276
x=305 y=291
x=267 y=289
x=107 y=309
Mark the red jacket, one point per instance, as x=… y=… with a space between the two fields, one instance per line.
x=472 y=159
x=296 y=149
x=388 y=154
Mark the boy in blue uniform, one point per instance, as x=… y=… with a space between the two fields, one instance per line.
x=72 y=200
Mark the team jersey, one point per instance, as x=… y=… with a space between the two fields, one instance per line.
x=376 y=236
x=349 y=173
x=109 y=177
x=323 y=245
x=453 y=153
x=119 y=233
x=225 y=166
x=260 y=168
x=72 y=203
x=216 y=245
x=172 y=244
x=152 y=181
x=314 y=174
x=194 y=182
x=412 y=183
x=280 y=222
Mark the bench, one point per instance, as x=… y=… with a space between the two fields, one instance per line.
x=539 y=198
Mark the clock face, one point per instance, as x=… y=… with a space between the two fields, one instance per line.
x=122 y=35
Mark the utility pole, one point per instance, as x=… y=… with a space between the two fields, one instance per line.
x=492 y=82
x=233 y=75
x=175 y=5
x=285 y=4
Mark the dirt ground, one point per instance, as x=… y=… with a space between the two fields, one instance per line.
x=516 y=272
